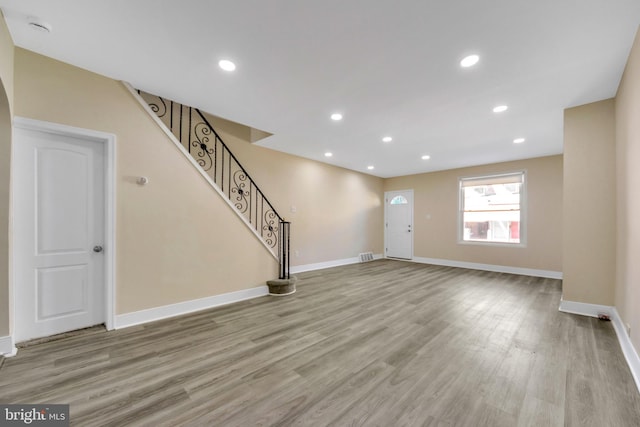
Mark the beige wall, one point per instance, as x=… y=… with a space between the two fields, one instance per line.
x=589 y=203
x=6 y=100
x=436 y=195
x=6 y=59
x=627 y=105
x=176 y=239
x=339 y=212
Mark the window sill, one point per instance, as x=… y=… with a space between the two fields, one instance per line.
x=493 y=244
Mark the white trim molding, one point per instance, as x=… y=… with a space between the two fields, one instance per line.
x=629 y=351
x=178 y=309
x=328 y=264
x=7 y=347
x=490 y=267
x=593 y=310
x=109 y=141
x=584 y=309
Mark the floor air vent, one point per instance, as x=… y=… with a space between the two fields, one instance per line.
x=366 y=256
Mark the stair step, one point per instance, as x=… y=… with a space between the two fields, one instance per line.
x=282 y=287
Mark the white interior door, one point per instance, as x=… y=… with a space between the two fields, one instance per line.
x=58 y=200
x=399 y=224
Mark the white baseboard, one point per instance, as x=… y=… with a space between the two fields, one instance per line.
x=328 y=264
x=490 y=267
x=172 y=310
x=7 y=348
x=628 y=350
x=584 y=309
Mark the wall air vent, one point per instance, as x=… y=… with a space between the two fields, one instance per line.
x=366 y=256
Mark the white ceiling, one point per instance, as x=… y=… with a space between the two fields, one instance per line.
x=390 y=67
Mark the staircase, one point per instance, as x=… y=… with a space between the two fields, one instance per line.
x=192 y=129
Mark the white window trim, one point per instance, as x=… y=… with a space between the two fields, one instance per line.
x=523 y=211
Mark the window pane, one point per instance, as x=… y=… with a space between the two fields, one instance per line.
x=491 y=209
x=492 y=197
x=399 y=200
x=497 y=226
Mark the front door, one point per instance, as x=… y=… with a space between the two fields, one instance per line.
x=399 y=224
x=58 y=200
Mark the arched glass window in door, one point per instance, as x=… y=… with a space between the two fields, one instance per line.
x=399 y=200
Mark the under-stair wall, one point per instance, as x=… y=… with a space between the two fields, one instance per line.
x=177 y=240
x=200 y=141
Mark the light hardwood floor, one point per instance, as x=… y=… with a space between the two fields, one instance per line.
x=386 y=343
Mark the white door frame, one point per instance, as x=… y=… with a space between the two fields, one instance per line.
x=413 y=231
x=109 y=141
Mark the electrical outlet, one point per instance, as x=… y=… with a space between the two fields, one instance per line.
x=296 y=253
x=628 y=329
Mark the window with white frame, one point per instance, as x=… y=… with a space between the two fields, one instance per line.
x=491 y=208
x=399 y=200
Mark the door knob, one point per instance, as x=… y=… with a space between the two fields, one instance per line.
x=97 y=248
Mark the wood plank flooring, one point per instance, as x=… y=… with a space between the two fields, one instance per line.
x=385 y=343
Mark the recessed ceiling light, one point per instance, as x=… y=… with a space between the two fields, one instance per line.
x=336 y=116
x=370 y=167
x=40 y=26
x=226 y=65
x=387 y=139
x=469 y=61
x=518 y=140
x=426 y=157
x=328 y=154
x=500 y=109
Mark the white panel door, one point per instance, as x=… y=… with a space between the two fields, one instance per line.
x=58 y=233
x=399 y=224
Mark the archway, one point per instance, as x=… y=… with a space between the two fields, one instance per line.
x=5 y=201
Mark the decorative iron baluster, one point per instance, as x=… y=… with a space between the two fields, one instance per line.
x=271 y=226
x=283 y=249
x=171 y=115
x=203 y=143
x=222 y=172
x=203 y=153
x=215 y=160
x=240 y=191
x=160 y=109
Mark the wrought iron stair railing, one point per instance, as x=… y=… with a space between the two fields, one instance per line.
x=203 y=143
